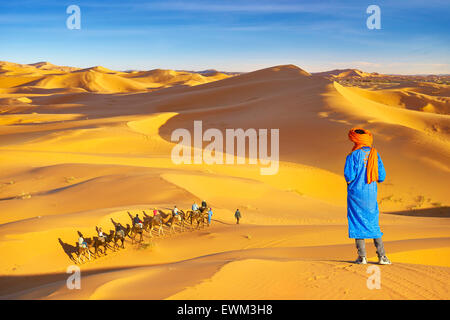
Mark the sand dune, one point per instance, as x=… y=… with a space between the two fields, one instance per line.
x=38 y=68
x=82 y=146
x=345 y=73
x=90 y=80
x=45 y=75
x=226 y=257
x=409 y=99
x=36 y=77
x=164 y=78
x=44 y=65
x=98 y=69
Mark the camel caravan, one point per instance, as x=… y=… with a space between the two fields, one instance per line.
x=196 y=218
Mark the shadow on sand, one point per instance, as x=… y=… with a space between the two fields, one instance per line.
x=12 y=285
x=439 y=212
x=69 y=249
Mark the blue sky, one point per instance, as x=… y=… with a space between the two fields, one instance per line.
x=230 y=35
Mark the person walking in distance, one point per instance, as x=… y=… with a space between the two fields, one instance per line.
x=210 y=213
x=237 y=215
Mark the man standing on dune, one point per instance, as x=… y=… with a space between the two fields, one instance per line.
x=363 y=169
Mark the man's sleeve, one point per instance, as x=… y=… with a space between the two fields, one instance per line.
x=349 y=170
x=381 y=170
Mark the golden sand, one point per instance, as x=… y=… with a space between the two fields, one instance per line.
x=81 y=146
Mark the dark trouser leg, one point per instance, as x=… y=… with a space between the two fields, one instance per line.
x=237 y=220
x=380 y=247
x=361 y=247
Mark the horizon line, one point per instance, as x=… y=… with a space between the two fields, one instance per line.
x=229 y=71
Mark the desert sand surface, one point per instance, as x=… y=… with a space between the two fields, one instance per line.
x=79 y=147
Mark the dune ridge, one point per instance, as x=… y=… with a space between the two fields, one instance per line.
x=45 y=75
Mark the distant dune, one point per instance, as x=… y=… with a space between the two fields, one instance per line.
x=408 y=98
x=44 y=75
x=49 y=66
x=94 y=80
x=345 y=73
x=164 y=78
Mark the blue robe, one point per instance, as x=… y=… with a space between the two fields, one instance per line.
x=210 y=213
x=362 y=206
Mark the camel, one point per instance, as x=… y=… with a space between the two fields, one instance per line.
x=92 y=243
x=173 y=219
x=158 y=221
x=89 y=243
x=135 y=230
x=165 y=216
x=198 y=217
x=120 y=234
x=81 y=253
x=183 y=217
x=147 y=221
x=108 y=238
x=96 y=243
x=188 y=215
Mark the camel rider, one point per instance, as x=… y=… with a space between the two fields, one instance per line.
x=175 y=211
x=210 y=213
x=137 y=222
x=81 y=242
x=155 y=212
x=101 y=235
x=119 y=230
x=194 y=207
x=204 y=205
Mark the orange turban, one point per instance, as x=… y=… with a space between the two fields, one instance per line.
x=366 y=140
